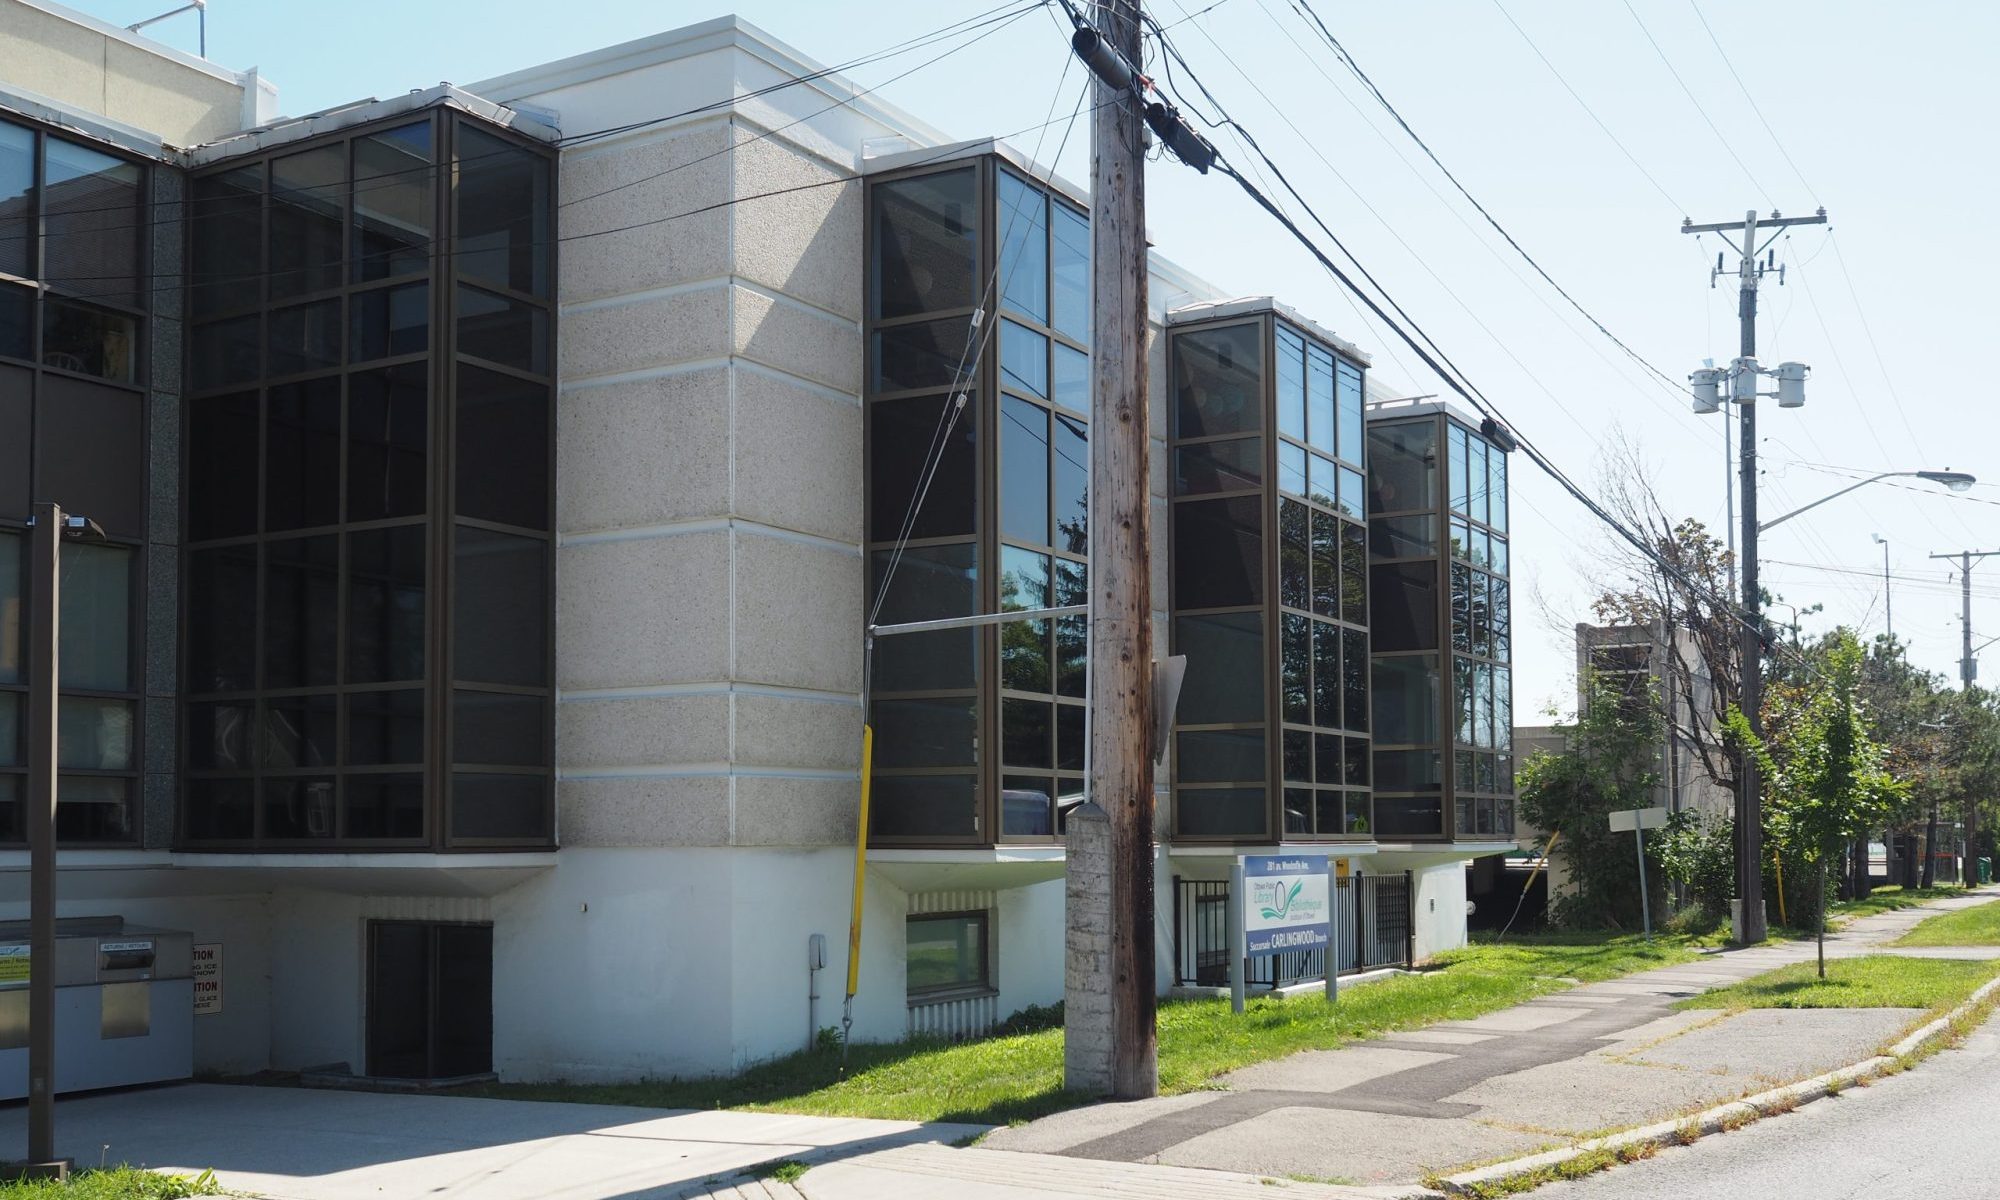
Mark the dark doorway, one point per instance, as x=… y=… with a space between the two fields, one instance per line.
x=430 y=1000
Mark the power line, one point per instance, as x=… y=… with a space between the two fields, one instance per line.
x=1723 y=54
x=1689 y=93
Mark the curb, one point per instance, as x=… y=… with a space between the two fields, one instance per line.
x=1719 y=1119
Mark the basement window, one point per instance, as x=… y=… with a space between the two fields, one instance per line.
x=947 y=953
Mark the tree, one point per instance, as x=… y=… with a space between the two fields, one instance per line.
x=1609 y=763
x=1829 y=782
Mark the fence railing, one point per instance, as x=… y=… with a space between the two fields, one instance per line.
x=1372 y=928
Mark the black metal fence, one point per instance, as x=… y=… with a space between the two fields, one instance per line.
x=1372 y=928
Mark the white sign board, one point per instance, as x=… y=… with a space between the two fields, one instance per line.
x=1638 y=818
x=1285 y=903
x=207 y=978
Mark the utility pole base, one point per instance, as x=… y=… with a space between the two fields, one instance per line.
x=56 y=1169
x=1089 y=1037
x=1736 y=930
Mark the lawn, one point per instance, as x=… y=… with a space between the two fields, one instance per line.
x=114 y=1183
x=1018 y=1078
x=1976 y=926
x=1885 y=899
x=1873 y=981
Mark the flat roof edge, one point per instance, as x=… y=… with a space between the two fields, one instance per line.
x=295 y=129
x=1214 y=310
x=118 y=32
x=103 y=129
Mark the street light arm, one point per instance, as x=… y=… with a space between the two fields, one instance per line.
x=1779 y=520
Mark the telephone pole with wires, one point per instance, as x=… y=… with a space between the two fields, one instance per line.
x=1742 y=376
x=1968 y=670
x=1110 y=991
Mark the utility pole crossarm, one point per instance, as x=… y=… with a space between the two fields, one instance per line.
x=1818 y=218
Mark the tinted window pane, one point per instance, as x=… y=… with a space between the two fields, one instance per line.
x=302 y=473
x=92 y=341
x=385 y=604
x=1291 y=376
x=945 y=952
x=1326 y=674
x=508 y=332
x=393 y=206
x=1357 y=762
x=503 y=212
x=494 y=729
x=219 y=809
x=1022 y=223
x=926 y=354
x=1216 y=377
x=1072 y=471
x=1319 y=400
x=308 y=209
x=1325 y=564
x=91 y=439
x=930 y=582
x=1353 y=574
x=94 y=735
x=1461 y=490
x=385 y=727
x=17 y=200
x=219 y=736
x=1402 y=466
x=901 y=435
x=1070 y=383
x=388 y=417
x=1071 y=272
x=1354 y=680
x=924 y=806
x=1024 y=470
x=924 y=733
x=94 y=649
x=92 y=218
x=1403 y=537
x=1225 y=673
x=1220 y=755
x=1072 y=640
x=300 y=606
x=1353 y=493
x=1027 y=806
x=1291 y=469
x=1407 y=618
x=300 y=731
x=220 y=613
x=299 y=808
x=17 y=319
x=224 y=352
x=304 y=338
x=384 y=806
x=1406 y=701
x=1294 y=558
x=504 y=807
x=1228 y=466
x=1024 y=359
x=93 y=809
x=1295 y=658
x=1218 y=553
x=1220 y=812
x=221 y=472
x=1347 y=386
x=1496 y=485
x=1325 y=483
x=500 y=621
x=13 y=599
x=503 y=448
x=1024 y=645
x=387 y=322
x=925 y=252
x=1027 y=733
x=1298 y=756
x=1072 y=734
x=227 y=223
x=1408 y=816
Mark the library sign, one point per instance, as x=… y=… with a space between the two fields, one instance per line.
x=1286 y=903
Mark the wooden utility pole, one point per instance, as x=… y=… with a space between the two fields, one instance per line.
x=1121 y=644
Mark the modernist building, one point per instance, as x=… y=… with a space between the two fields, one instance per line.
x=498 y=481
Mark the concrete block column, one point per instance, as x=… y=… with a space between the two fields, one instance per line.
x=1087 y=1025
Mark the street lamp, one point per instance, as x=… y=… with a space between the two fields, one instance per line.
x=52 y=527
x=1957 y=481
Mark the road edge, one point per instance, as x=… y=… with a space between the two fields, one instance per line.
x=1520 y=1174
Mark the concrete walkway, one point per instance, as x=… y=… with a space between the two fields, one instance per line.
x=300 y=1144
x=1544 y=1073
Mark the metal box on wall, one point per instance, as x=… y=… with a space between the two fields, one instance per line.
x=124 y=1005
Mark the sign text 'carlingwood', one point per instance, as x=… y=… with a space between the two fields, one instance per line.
x=1286 y=903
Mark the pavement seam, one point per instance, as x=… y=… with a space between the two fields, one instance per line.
x=1500 y=1177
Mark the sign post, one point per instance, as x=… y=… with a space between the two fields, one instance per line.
x=1638 y=820
x=1279 y=903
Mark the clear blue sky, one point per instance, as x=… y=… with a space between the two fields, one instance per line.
x=1886 y=117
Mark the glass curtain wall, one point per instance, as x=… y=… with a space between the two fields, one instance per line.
x=1443 y=692
x=1000 y=407
x=74 y=293
x=1271 y=735
x=367 y=502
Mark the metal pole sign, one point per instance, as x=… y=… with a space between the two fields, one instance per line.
x=1282 y=903
x=1638 y=820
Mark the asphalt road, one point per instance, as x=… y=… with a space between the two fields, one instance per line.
x=1927 y=1132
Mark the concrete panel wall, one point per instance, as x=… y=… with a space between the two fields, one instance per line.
x=100 y=69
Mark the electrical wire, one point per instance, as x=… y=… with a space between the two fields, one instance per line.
x=1689 y=93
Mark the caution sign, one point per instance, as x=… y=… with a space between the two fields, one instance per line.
x=207 y=978
x=13 y=964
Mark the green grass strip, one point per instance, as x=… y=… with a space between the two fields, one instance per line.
x=1975 y=926
x=1875 y=981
